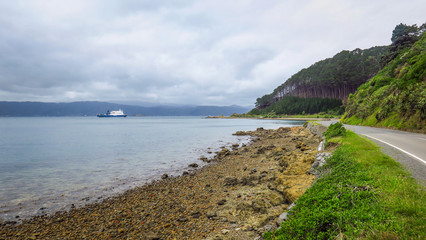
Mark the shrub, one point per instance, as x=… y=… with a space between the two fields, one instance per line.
x=335 y=130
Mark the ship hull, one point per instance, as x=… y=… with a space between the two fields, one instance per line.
x=103 y=115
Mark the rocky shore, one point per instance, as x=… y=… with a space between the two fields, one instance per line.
x=240 y=195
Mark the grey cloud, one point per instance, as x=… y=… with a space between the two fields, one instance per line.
x=209 y=52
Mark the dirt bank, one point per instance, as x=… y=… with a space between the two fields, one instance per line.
x=238 y=196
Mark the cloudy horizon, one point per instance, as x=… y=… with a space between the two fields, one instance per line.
x=182 y=51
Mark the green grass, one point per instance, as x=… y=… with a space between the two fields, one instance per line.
x=365 y=195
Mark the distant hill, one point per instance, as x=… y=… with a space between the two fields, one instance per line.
x=396 y=96
x=94 y=108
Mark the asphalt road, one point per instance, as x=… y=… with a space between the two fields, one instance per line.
x=407 y=148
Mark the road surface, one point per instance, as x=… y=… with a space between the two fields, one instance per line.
x=407 y=148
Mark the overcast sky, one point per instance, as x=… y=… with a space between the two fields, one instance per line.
x=182 y=51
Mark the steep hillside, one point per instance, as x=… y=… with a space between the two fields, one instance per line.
x=396 y=96
x=334 y=77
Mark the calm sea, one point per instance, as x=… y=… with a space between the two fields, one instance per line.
x=49 y=163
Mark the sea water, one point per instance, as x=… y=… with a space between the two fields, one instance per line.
x=48 y=164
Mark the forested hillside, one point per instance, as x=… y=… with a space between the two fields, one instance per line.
x=295 y=105
x=396 y=96
x=334 y=77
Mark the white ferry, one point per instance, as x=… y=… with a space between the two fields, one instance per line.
x=118 y=113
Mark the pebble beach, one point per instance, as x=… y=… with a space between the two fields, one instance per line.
x=238 y=195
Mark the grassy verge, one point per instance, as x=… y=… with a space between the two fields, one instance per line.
x=364 y=194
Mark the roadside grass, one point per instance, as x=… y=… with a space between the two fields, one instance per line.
x=363 y=195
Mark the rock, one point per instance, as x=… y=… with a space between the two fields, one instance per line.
x=165 y=176
x=211 y=214
x=276 y=198
x=316 y=129
x=247 y=228
x=248 y=180
x=196 y=215
x=320 y=160
x=185 y=173
x=224 y=231
x=268 y=227
x=193 y=165
x=240 y=133
x=282 y=218
x=302 y=146
x=223 y=153
x=151 y=236
x=221 y=202
x=254 y=170
x=291 y=206
x=259 y=205
x=203 y=158
x=230 y=181
x=321 y=146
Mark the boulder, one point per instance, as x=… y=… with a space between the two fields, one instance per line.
x=193 y=165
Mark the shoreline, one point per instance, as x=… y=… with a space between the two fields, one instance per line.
x=276 y=118
x=239 y=195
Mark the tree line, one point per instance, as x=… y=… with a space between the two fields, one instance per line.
x=292 y=105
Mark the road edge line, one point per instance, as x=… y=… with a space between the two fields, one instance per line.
x=412 y=155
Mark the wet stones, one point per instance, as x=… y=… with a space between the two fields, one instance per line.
x=223 y=153
x=193 y=165
x=240 y=133
x=164 y=176
x=235 y=146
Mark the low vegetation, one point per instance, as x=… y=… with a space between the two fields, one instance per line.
x=335 y=130
x=362 y=194
x=396 y=96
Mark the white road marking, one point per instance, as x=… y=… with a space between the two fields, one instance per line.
x=422 y=138
x=414 y=156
